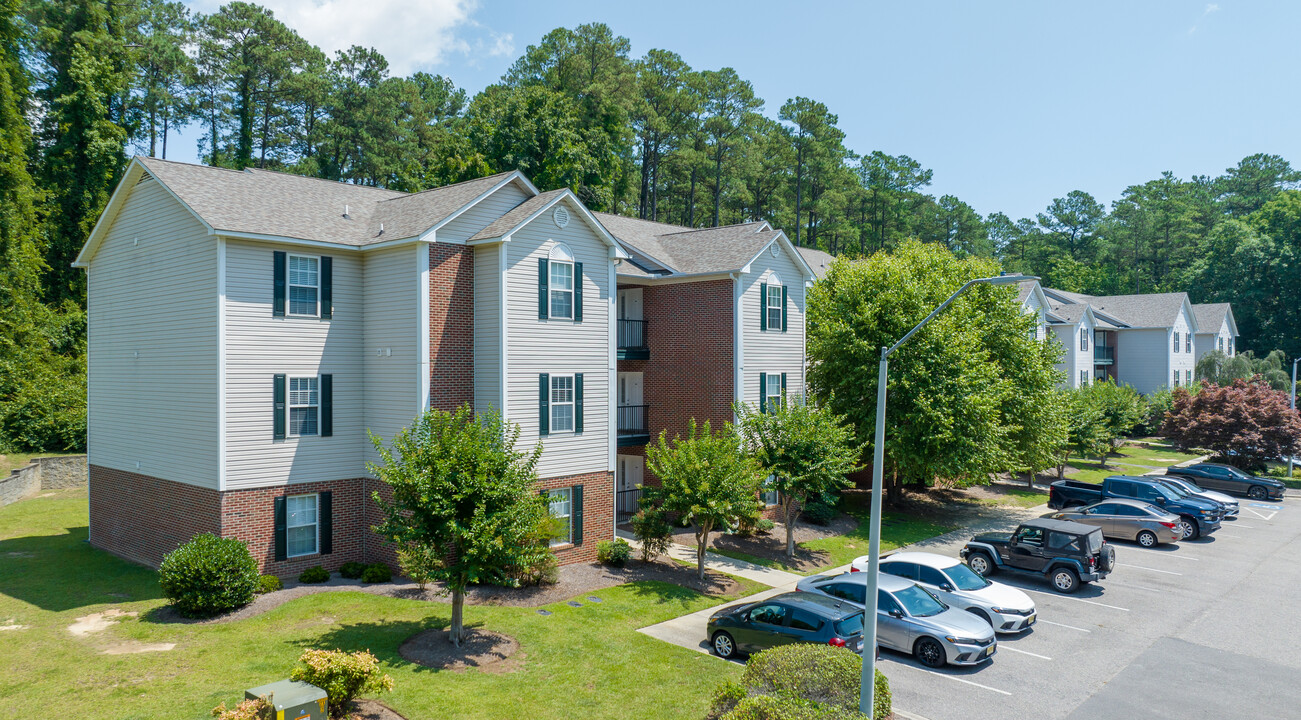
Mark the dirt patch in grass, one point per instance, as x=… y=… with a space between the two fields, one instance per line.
x=373 y=710
x=771 y=545
x=98 y=622
x=577 y=579
x=131 y=647
x=486 y=650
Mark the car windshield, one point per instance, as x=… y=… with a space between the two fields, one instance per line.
x=965 y=579
x=1188 y=485
x=1181 y=492
x=918 y=602
x=852 y=625
x=1167 y=492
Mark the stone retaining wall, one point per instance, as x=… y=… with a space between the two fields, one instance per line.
x=48 y=473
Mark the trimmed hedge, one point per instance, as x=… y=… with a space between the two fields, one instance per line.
x=314 y=574
x=376 y=573
x=801 y=682
x=208 y=576
x=615 y=553
x=268 y=583
x=352 y=570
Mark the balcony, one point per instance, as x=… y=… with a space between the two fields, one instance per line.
x=631 y=339
x=1104 y=355
x=625 y=504
x=632 y=426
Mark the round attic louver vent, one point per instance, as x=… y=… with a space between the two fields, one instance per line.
x=561 y=216
x=773 y=249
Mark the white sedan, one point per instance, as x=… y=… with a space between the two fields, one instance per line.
x=1005 y=608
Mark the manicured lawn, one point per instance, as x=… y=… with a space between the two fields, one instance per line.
x=1017 y=498
x=1128 y=460
x=586 y=662
x=897 y=530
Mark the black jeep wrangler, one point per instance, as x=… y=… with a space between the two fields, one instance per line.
x=1067 y=553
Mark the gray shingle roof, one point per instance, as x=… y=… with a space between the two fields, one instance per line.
x=279 y=204
x=659 y=248
x=818 y=260
x=1210 y=316
x=1068 y=313
x=517 y=215
x=1155 y=310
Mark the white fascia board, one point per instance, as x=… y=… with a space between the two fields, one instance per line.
x=611 y=341
x=805 y=269
x=1233 y=324
x=422 y=332
x=676 y=279
x=124 y=187
x=1192 y=316
x=221 y=364
x=281 y=239
x=515 y=176
x=738 y=346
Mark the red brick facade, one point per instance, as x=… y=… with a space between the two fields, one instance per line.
x=451 y=325
x=143 y=518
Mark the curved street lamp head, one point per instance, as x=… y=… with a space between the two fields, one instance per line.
x=1005 y=279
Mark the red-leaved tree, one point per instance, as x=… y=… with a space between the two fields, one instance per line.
x=1246 y=422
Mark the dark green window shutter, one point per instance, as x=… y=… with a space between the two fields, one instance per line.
x=278 y=283
x=281 y=522
x=325 y=518
x=578 y=402
x=327 y=405
x=763 y=393
x=763 y=306
x=278 y=407
x=327 y=289
x=544 y=311
x=783 y=387
x=578 y=292
x=544 y=404
x=783 y=308
x=576 y=513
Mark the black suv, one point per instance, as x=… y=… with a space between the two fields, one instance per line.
x=1068 y=553
x=1226 y=478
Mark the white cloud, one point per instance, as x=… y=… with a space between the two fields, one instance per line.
x=411 y=34
x=1210 y=8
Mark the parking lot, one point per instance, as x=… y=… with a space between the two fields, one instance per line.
x=1203 y=629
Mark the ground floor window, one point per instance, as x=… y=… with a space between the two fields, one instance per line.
x=1188 y=378
x=1084 y=378
x=301 y=536
x=1176 y=379
x=770 y=496
x=561 y=506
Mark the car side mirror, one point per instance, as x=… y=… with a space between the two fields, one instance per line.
x=1012 y=541
x=946 y=587
x=1160 y=500
x=896 y=613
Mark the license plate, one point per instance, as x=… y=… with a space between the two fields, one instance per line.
x=1030 y=622
x=988 y=651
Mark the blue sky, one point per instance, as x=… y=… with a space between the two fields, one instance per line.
x=1010 y=103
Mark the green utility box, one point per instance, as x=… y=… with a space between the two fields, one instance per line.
x=293 y=700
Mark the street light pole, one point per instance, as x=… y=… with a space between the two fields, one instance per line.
x=1293 y=405
x=867 y=689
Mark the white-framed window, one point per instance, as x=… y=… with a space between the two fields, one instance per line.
x=302 y=531
x=562 y=403
x=1176 y=341
x=1188 y=378
x=769 y=495
x=304 y=406
x=1188 y=342
x=560 y=283
x=1175 y=383
x=304 y=285
x=772 y=391
x=1084 y=378
x=773 y=302
x=560 y=503
x=1084 y=338
x=1219 y=343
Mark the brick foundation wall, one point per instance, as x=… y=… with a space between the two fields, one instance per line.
x=451 y=325
x=142 y=518
x=598 y=513
x=249 y=515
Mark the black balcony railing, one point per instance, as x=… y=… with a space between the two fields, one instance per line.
x=1104 y=354
x=625 y=504
x=632 y=340
x=633 y=428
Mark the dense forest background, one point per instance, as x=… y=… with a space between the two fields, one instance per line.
x=86 y=83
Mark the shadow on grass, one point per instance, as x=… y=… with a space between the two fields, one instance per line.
x=714 y=585
x=63 y=572
x=381 y=638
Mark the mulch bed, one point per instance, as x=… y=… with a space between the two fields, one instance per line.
x=489 y=651
x=575 y=580
x=772 y=544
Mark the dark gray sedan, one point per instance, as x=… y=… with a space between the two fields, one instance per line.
x=788 y=618
x=1142 y=522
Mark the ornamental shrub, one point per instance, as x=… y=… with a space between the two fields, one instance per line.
x=804 y=682
x=819 y=513
x=343 y=676
x=545 y=572
x=209 y=575
x=749 y=527
x=377 y=573
x=268 y=583
x=258 y=709
x=614 y=553
x=314 y=574
x=352 y=570
x=652 y=529
x=419 y=562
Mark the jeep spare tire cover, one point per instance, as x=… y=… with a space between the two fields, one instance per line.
x=1107 y=558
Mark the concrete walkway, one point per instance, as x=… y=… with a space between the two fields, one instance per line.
x=771 y=577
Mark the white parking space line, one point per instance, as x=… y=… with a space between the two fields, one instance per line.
x=1068 y=627
x=1260 y=515
x=1009 y=648
x=1143 y=587
x=1140 y=567
x=1240 y=525
x=1164 y=553
x=1068 y=597
x=957 y=679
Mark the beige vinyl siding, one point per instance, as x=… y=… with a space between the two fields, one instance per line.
x=772 y=351
x=1182 y=361
x=1033 y=307
x=1143 y=359
x=560 y=346
x=152 y=304
x=259 y=346
x=1206 y=339
x=487 y=327
x=1073 y=358
x=391 y=346
x=482 y=214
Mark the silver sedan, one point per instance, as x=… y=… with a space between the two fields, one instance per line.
x=1125 y=519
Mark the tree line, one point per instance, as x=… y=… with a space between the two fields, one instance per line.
x=86 y=82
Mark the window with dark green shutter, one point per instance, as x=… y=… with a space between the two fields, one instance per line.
x=279 y=270
x=763 y=392
x=578 y=402
x=576 y=513
x=278 y=407
x=326 y=520
x=783 y=386
x=578 y=292
x=763 y=306
x=327 y=287
x=544 y=404
x=327 y=405
x=784 y=303
x=281 y=543
x=544 y=297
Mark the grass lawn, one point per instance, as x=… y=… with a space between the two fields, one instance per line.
x=897 y=530
x=9 y=463
x=1017 y=498
x=586 y=662
x=1127 y=460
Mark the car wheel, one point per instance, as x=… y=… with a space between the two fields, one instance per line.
x=1188 y=528
x=929 y=652
x=724 y=645
x=981 y=614
x=1147 y=538
x=1065 y=580
x=981 y=563
x=1257 y=493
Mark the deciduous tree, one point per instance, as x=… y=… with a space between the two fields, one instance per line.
x=1246 y=422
